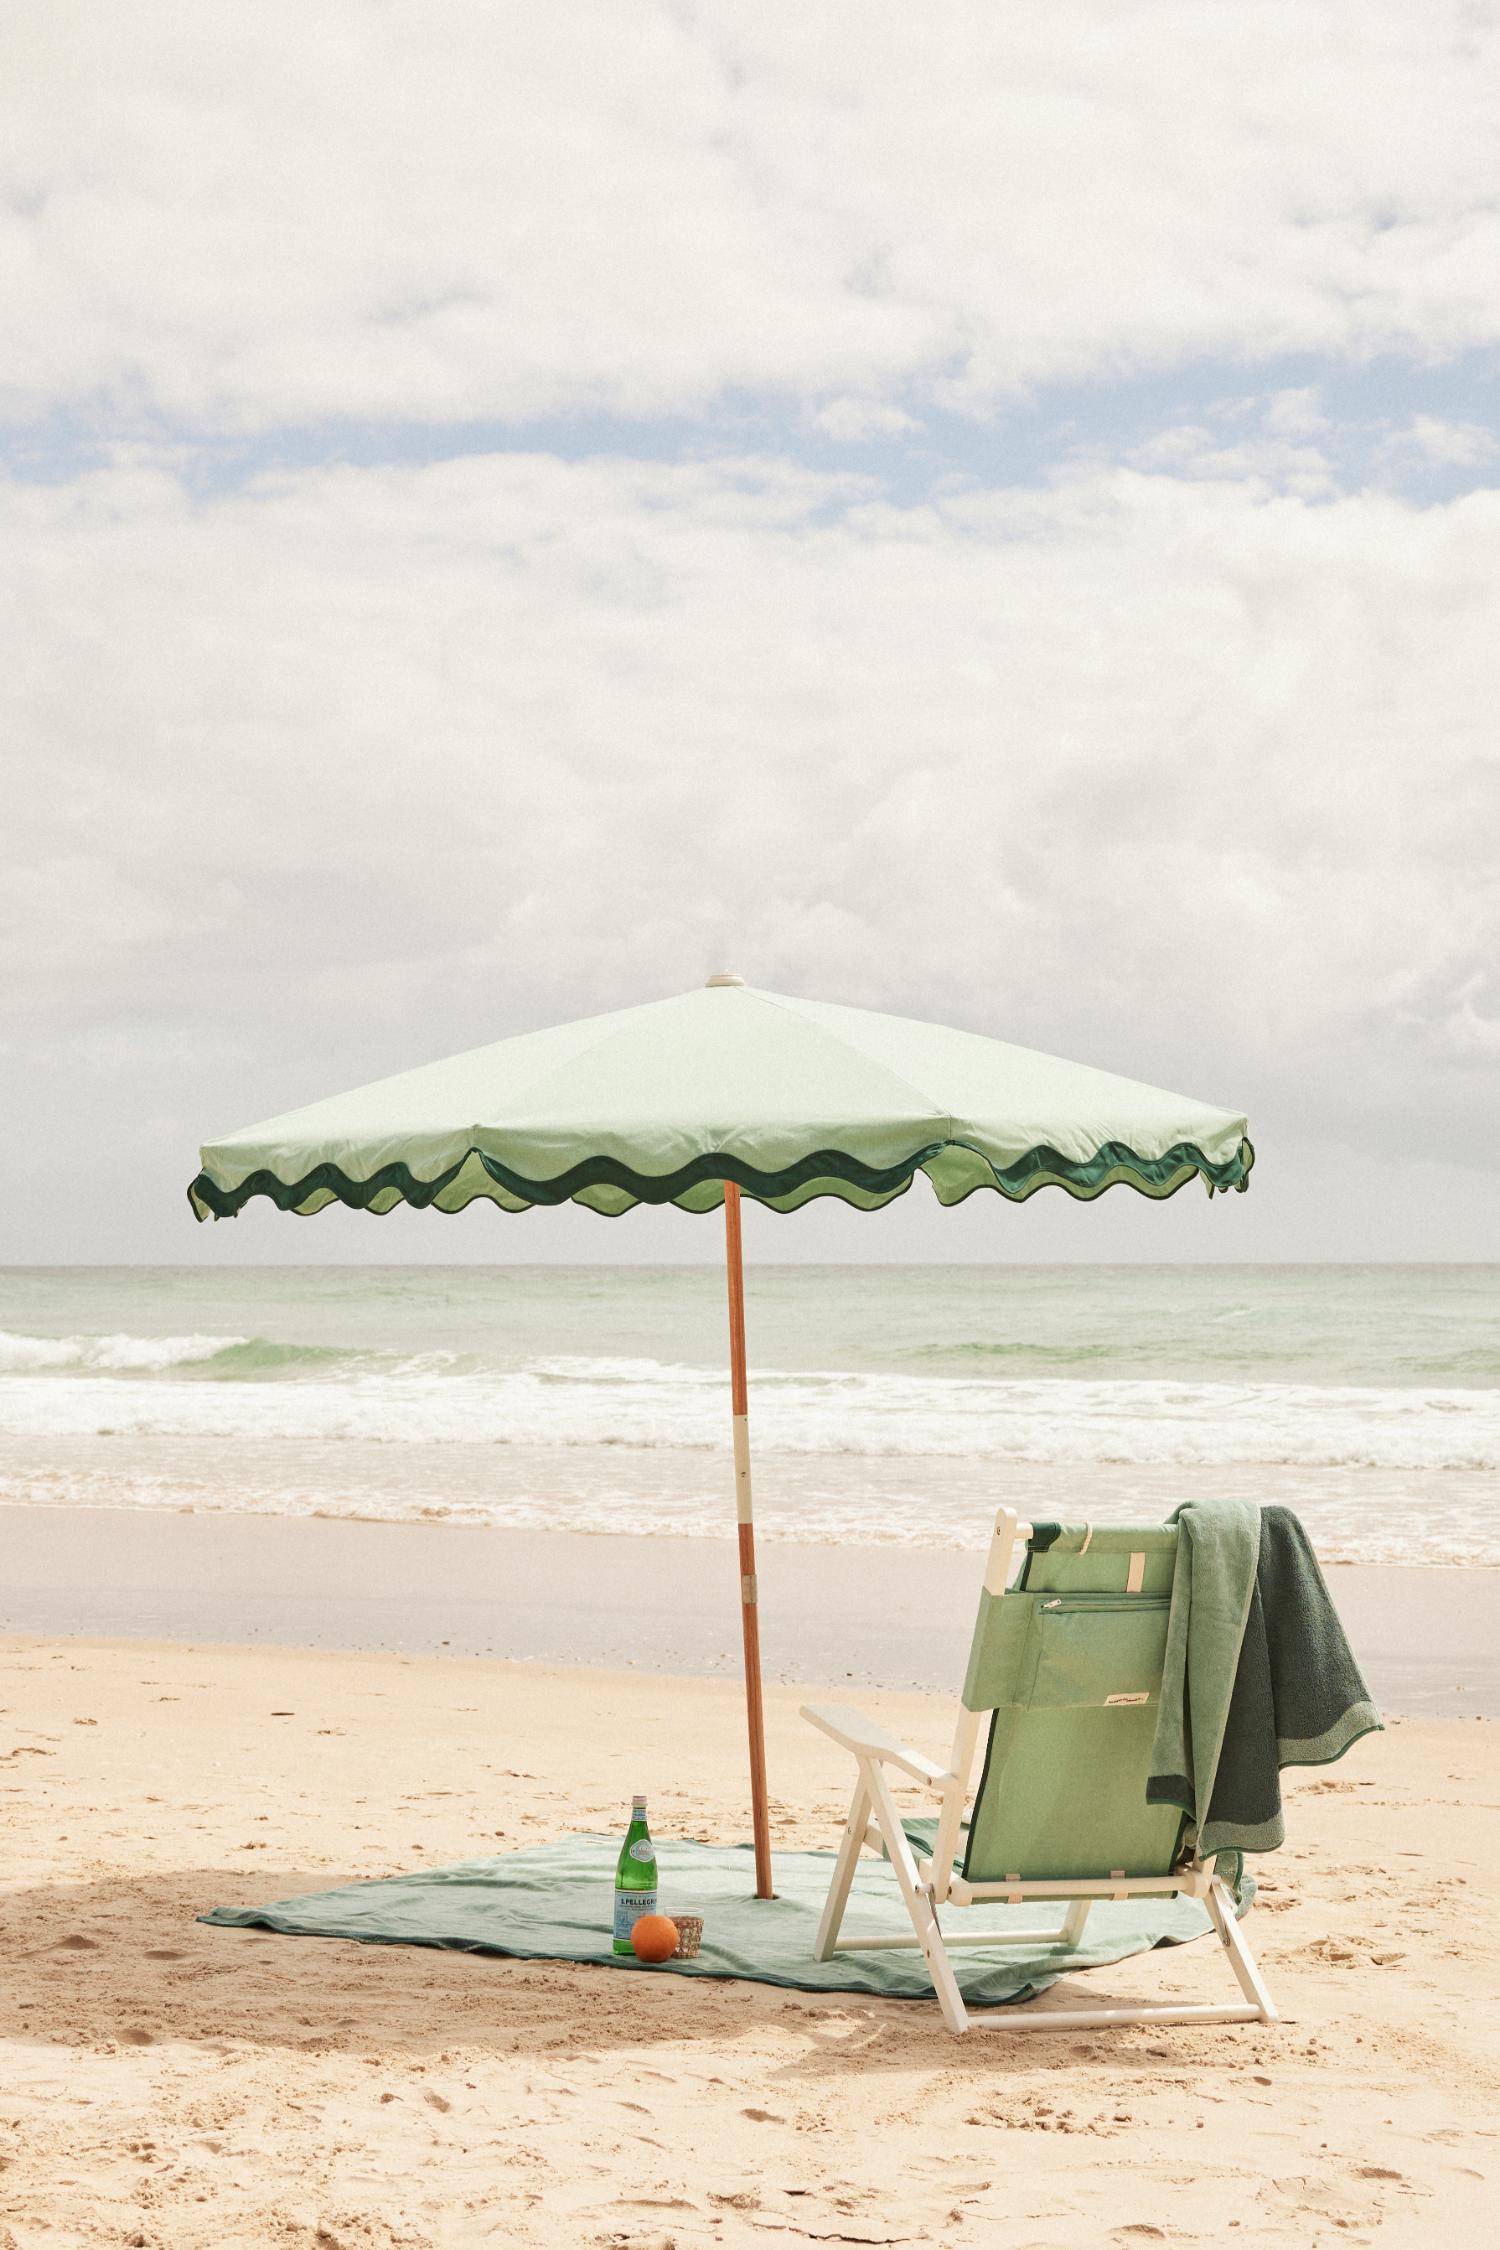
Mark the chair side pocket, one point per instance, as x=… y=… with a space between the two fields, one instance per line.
x=997 y=1653
x=1092 y=1654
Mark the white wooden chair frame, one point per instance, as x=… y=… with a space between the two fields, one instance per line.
x=874 y=1823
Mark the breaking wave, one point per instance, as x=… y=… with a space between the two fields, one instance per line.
x=249 y=1387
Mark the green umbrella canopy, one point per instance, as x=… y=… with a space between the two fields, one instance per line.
x=789 y=1099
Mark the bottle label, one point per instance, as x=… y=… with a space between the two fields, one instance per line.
x=643 y=1848
x=629 y=1907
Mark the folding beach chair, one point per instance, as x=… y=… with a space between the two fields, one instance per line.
x=1067 y=1666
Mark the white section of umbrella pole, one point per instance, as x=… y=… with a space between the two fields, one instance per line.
x=744 y=1509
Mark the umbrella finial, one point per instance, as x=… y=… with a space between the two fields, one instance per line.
x=722 y=976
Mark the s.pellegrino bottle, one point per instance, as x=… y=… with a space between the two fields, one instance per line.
x=635 y=1876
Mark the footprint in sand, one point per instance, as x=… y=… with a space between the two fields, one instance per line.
x=763 y=2116
x=1352 y=1953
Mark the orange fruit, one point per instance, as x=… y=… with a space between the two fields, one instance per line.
x=654 y=1938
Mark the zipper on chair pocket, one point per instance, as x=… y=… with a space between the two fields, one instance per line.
x=1107 y=1601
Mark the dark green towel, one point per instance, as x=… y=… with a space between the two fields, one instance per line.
x=1297 y=1698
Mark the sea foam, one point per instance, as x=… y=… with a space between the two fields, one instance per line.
x=236 y=1387
x=110 y=1355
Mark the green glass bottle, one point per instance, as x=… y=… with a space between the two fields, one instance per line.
x=635 y=1876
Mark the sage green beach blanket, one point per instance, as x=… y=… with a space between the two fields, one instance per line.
x=554 y=1902
x=1258 y=1674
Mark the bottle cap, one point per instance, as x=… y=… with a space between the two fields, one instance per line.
x=639 y=1800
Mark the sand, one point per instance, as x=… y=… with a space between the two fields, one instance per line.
x=168 y=2084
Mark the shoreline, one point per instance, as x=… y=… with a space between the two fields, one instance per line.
x=1433 y=1518
x=878 y=1617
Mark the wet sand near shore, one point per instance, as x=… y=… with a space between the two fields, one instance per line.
x=1427 y=1637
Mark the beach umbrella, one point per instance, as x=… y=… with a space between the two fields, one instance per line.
x=717 y=1094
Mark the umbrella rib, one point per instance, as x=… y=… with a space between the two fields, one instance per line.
x=948 y=1121
x=673 y=1000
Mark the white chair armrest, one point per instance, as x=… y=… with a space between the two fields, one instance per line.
x=867 y=1739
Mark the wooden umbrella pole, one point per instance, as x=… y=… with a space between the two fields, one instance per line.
x=739 y=1397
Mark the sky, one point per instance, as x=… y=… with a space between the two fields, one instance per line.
x=988 y=514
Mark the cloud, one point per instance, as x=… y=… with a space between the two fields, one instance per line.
x=356 y=766
x=1430 y=441
x=855 y=421
x=1286 y=441
x=287 y=217
x=1194 y=449
x=1295 y=413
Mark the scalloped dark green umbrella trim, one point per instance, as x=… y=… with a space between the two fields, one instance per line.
x=1112 y=1165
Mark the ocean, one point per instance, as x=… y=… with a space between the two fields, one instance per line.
x=888 y=1403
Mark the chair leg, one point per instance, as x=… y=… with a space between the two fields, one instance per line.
x=1071 y=1934
x=843 y=1871
x=919 y=1906
x=1236 y=1945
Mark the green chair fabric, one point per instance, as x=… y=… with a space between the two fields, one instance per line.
x=1069 y=1663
